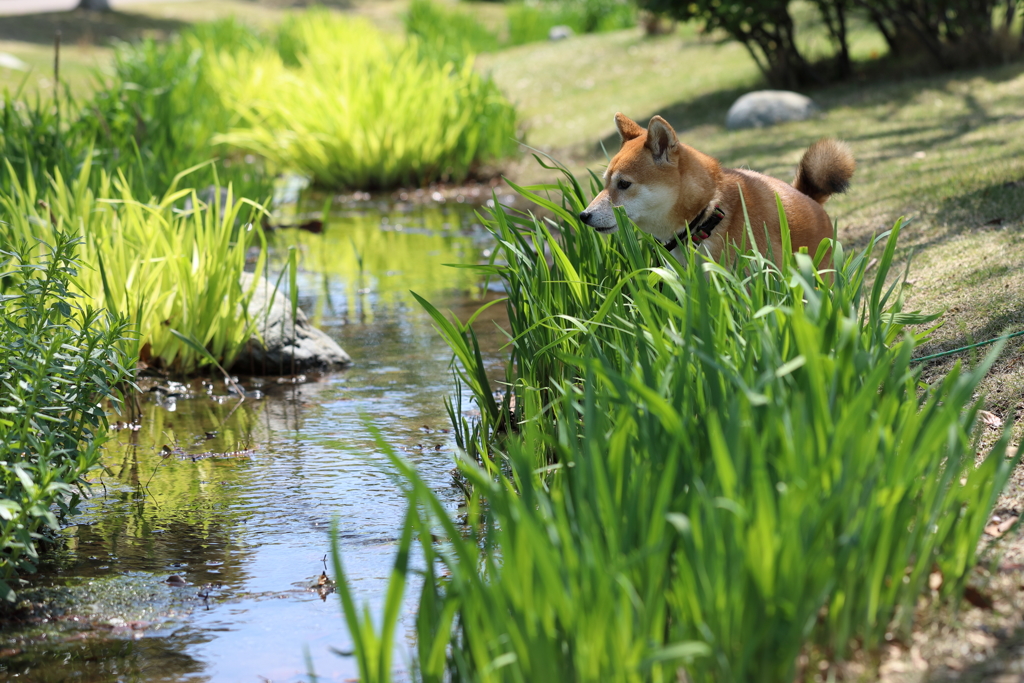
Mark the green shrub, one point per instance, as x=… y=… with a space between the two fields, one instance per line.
x=599 y=15
x=170 y=270
x=58 y=362
x=448 y=35
x=362 y=110
x=701 y=468
x=155 y=115
x=159 y=113
x=33 y=139
x=531 y=23
x=338 y=100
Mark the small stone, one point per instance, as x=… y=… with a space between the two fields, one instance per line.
x=764 y=108
x=560 y=33
x=282 y=340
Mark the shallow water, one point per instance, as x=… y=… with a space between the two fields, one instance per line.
x=238 y=498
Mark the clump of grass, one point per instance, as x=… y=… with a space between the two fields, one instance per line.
x=58 y=361
x=175 y=272
x=703 y=471
x=448 y=35
x=160 y=111
x=454 y=34
x=362 y=110
x=155 y=115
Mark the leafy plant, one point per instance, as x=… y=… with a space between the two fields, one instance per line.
x=702 y=470
x=159 y=113
x=58 y=362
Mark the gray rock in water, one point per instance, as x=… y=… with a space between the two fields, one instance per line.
x=560 y=33
x=764 y=108
x=311 y=348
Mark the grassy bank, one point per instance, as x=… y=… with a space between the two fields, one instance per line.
x=697 y=470
x=943 y=150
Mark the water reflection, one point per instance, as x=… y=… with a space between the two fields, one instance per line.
x=238 y=499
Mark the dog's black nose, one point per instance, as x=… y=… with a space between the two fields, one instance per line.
x=585 y=216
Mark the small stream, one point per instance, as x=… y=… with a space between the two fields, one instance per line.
x=236 y=499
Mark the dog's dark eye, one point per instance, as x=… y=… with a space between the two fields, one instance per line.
x=624 y=184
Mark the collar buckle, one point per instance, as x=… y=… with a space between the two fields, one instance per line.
x=697 y=230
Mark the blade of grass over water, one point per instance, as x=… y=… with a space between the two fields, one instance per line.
x=704 y=472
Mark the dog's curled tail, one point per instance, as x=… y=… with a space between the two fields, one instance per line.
x=825 y=169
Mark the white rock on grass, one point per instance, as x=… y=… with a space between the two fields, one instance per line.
x=764 y=108
x=311 y=348
x=560 y=33
x=9 y=61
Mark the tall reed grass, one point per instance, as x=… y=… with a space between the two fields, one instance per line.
x=360 y=109
x=695 y=472
x=171 y=269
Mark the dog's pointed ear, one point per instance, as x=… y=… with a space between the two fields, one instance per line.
x=628 y=128
x=661 y=138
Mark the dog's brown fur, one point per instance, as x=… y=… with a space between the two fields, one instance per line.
x=664 y=185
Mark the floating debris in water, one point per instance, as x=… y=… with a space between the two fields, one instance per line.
x=210 y=455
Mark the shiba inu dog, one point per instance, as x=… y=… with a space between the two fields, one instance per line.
x=684 y=197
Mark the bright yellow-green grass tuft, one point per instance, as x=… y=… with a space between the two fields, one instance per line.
x=168 y=267
x=361 y=109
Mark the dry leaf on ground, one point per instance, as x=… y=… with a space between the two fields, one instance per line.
x=998 y=526
x=991 y=419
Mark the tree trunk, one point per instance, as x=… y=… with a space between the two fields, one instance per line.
x=833 y=12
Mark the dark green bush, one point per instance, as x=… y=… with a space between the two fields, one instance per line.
x=58 y=364
x=599 y=15
x=950 y=33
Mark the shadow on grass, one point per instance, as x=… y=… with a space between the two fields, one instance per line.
x=896 y=92
x=84 y=27
x=1002 y=394
x=1002 y=665
x=707 y=109
x=998 y=206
